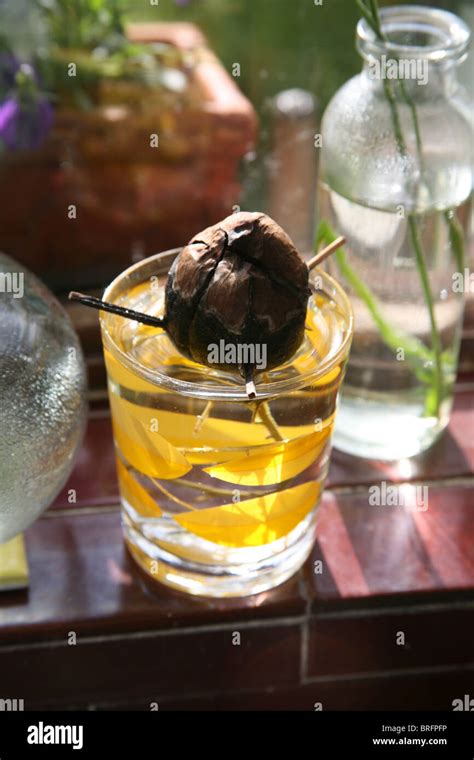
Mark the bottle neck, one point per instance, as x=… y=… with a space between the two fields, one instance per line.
x=421 y=47
x=419 y=77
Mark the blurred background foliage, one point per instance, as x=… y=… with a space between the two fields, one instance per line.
x=280 y=43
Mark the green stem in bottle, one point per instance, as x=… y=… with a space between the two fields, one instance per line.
x=397 y=128
x=366 y=12
x=416 y=125
x=414 y=350
x=456 y=238
x=435 y=336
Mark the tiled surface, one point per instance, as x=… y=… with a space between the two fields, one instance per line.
x=368 y=551
x=155 y=664
x=389 y=641
x=429 y=690
x=83 y=579
x=328 y=634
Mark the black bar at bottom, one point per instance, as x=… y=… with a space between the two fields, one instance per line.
x=154 y=733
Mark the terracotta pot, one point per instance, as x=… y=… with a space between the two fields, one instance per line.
x=129 y=199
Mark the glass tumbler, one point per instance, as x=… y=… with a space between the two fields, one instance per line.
x=220 y=492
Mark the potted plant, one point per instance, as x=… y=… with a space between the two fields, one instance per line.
x=116 y=141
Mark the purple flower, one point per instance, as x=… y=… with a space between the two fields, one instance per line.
x=24 y=125
x=26 y=115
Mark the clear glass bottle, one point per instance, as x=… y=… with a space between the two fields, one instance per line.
x=396 y=179
x=43 y=408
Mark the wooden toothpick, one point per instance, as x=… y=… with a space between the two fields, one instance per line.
x=322 y=255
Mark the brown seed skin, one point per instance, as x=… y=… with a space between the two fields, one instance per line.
x=241 y=281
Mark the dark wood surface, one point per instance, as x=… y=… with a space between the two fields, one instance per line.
x=386 y=621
